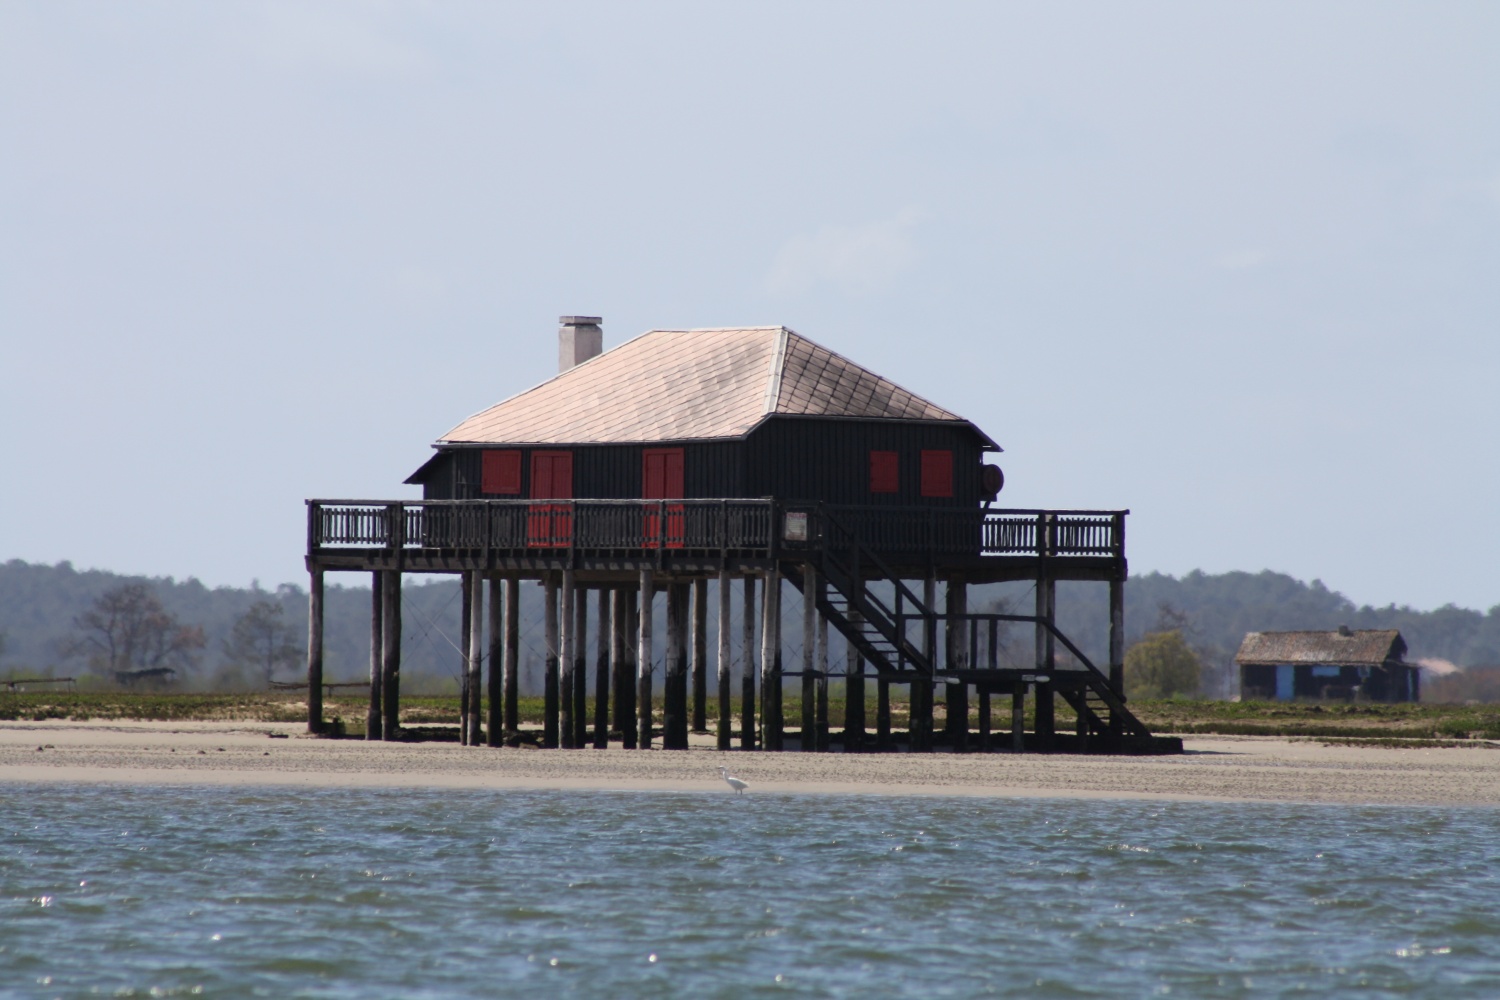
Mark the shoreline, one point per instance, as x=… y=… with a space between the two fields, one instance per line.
x=1214 y=769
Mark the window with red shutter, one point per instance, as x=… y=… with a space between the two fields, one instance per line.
x=937 y=473
x=552 y=475
x=885 y=472
x=662 y=474
x=501 y=472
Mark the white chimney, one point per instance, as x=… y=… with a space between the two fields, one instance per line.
x=578 y=339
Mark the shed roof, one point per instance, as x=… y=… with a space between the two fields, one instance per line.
x=685 y=385
x=1361 y=647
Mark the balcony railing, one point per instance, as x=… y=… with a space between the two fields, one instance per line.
x=738 y=526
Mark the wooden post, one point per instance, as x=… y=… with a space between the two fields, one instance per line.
x=643 y=656
x=465 y=620
x=476 y=658
x=567 y=661
x=390 y=655
x=511 y=667
x=809 y=658
x=747 y=679
x=580 y=667
x=675 y=693
x=983 y=694
x=549 y=675
x=374 y=720
x=495 y=722
x=1018 y=717
x=726 y=719
x=604 y=640
x=854 y=696
x=770 y=662
x=1046 y=663
x=621 y=649
x=315 y=652
x=957 y=658
x=700 y=655
x=1117 y=651
x=821 y=716
x=882 y=713
x=919 y=698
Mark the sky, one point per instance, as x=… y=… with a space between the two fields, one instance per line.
x=1235 y=267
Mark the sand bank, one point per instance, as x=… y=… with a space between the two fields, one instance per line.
x=1222 y=769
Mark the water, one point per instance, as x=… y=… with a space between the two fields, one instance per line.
x=135 y=891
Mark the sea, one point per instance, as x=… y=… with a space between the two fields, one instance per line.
x=136 y=891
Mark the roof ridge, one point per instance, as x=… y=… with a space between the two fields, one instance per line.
x=778 y=363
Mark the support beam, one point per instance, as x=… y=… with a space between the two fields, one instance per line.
x=854 y=696
x=882 y=713
x=919 y=697
x=821 y=716
x=985 y=718
x=699 y=664
x=1018 y=718
x=374 y=721
x=602 y=658
x=770 y=663
x=1046 y=662
x=580 y=667
x=1117 y=652
x=621 y=654
x=747 y=680
x=476 y=658
x=494 y=723
x=809 y=658
x=465 y=611
x=549 y=669
x=957 y=658
x=643 y=656
x=511 y=667
x=315 y=652
x=675 y=683
x=725 y=664
x=567 y=658
x=390 y=655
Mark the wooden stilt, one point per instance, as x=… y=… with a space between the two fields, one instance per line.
x=1046 y=662
x=747 y=679
x=511 y=666
x=567 y=659
x=1018 y=717
x=374 y=721
x=476 y=659
x=549 y=669
x=699 y=663
x=957 y=658
x=983 y=693
x=854 y=698
x=882 y=713
x=604 y=637
x=494 y=723
x=770 y=663
x=390 y=656
x=621 y=652
x=809 y=659
x=581 y=667
x=675 y=689
x=315 y=652
x=919 y=694
x=465 y=613
x=726 y=719
x=1117 y=646
x=643 y=656
x=821 y=716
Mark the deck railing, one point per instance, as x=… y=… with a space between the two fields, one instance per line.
x=738 y=526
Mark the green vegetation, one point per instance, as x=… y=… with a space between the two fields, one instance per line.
x=1162 y=665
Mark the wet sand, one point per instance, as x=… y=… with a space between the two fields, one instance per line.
x=1213 y=769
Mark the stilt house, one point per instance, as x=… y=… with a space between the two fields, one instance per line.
x=749 y=455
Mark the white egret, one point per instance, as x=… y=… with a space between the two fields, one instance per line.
x=733 y=782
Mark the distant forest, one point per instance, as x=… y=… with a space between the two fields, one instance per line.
x=41 y=606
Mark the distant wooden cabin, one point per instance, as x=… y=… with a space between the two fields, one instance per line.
x=721 y=413
x=1343 y=665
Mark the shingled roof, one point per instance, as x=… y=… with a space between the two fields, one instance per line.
x=1364 y=647
x=685 y=385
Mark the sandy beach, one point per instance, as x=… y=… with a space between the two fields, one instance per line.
x=1213 y=769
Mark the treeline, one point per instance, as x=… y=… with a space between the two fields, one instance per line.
x=41 y=608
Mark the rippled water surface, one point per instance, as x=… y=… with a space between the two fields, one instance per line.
x=271 y=892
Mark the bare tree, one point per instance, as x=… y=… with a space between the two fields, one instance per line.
x=129 y=635
x=263 y=638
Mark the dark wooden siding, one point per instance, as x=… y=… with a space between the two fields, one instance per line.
x=793 y=458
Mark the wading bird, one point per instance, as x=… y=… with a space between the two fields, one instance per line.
x=733 y=782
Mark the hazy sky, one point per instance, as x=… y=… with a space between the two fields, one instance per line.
x=1235 y=267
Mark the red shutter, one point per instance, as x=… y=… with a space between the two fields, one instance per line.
x=552 y=475
x=885 y=472
x=501 y=472
x=937 y=473
x=661 y=474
